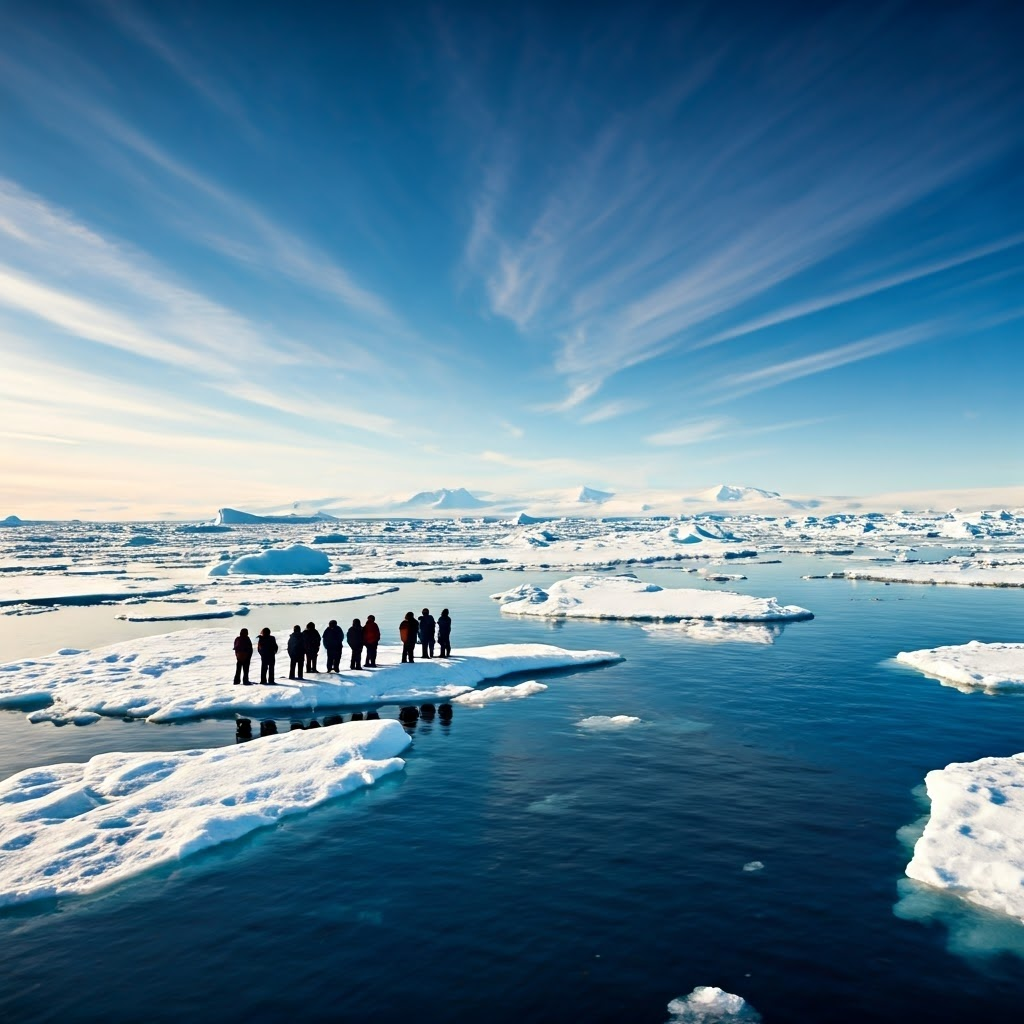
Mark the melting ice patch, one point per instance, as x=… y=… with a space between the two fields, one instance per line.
x=971 y=666
x=188 y=675
x=965 y=574
x=69 y=829
x=717 y=632
x=626 y=597
x=707 y=1004
x=295 y=560
x=493 y=693
x=606 y=723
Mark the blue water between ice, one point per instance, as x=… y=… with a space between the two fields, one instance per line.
x=524 y=869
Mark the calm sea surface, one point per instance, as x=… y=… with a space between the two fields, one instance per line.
x=524 y=868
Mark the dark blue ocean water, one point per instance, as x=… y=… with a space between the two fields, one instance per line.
x=522 y=868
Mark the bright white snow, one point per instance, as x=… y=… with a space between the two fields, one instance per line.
x=188 y=675
x=295 y=560
x=606 y=723
x=962 y=574
x=69 y=829
x=707 y=1004
x=493 y=693
x=971 y=666
x=626 y=597
x=973 y=843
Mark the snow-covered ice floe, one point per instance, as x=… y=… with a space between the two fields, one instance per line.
x=707 y=1004
x=188 y=675
x=182 y=613
x=973 y=843
x=962 y=574
x=294 y=560
x=72 y=589
x=70 y=829
x=971 y=666
x=607 y=723
x=493 y=693
x=257 y=591
x=626 y=597
x=717 y=632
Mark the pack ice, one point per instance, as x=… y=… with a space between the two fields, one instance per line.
x=971 y=666
x=70 y=829
x=626 y=597
x=188 y=674
x=973 y=843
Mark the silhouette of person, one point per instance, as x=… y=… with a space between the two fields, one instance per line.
x=333 y=642
x=267 y=646
x=312 y=641
x=355 y=643
x=371 y=637
x=296 y=652
x=243 y=656
x=444 y=633
x=426 y=631
x=407 y=629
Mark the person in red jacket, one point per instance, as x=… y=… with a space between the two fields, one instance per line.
x=408 y=629
x=371 y=637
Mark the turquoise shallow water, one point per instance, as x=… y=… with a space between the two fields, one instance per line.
x=523 y=868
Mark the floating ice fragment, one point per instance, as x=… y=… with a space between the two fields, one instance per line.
x=604 y=723
x=493 y=693
x=753 y=865
x=707 y=1004
x=971 y=666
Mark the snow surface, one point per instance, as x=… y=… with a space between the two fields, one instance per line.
x=70 y=829
x=707 y=1004
x=188 y=675
x=626 y=597
x=260 y=591
x=971 y=666
x=493 y=693
x=963 y=574
x=295 y=560
x=606 y=723
x=72 y=589
x=973 y=843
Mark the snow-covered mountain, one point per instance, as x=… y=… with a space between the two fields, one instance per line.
x=736 y=492
x=593 y=496
x=445 y=498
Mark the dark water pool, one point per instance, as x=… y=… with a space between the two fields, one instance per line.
x=524 y=868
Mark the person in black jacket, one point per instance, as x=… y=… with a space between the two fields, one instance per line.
x=312 y=640
x=427 y=625
x=444 y=633
x=267 y=646
x=407 y=631
x=334 y=640
x=355 y=643
x=296 y=652
x=243 y=656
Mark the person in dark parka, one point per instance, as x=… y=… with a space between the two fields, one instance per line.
x=333 y=642
x=243 y=656
x=371 y=637
x=426 y=630
x=407 y=630
x=312 y=640
x=296 y=652
x=355 y=643
x=267 y=646
x=444 y=633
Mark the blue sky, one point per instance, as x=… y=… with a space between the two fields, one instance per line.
x=328 y=250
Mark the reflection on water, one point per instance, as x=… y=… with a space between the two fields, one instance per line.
x=717 y=632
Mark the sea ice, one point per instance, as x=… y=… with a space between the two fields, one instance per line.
x=70 y=829
x=626 y=597
x=963 y=574
x=261 y=591
x=72 y=589
x=717 y=632
x=707 y=1004
x=971 y=666
x=188 y=675
x=182 y=613
x=493 y=693
x=295 y=560
x=973 y=843
x=606 y=723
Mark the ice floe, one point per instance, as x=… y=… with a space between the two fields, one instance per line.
x=294 y=560
x=71 y=829
x=493 y=693
x=962 y=574
x=707 y=1004
x=626 y=597
x=973 y=842
x=71 y=589
x=188 y=674
x=971 y=666
x=607 y=723
x=717 y=632
x=258 y=591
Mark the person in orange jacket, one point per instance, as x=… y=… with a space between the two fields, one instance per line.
x=371 y=637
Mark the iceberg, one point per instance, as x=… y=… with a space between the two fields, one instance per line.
x=973 y=843
x=971 y=666
x=233 y=517
x=295 y=560
x=626 y=597
x=493 y=693
x=707 y=1004
x=188 y=674
x=607 y=723
x=71 y=829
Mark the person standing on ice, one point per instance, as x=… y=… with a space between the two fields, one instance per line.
x=355 y=643
x=243 y=656
x=267 y=646
x=334 y=640
x=371 y=637
x=444 y=633
x=427 y=625
x=407 y=630
x=296 y=652
x=312 y=638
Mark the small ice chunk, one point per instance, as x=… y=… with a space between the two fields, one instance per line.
x=604 y=723
x=707 y=1004
x=753 y=865
x=971 y=666
x=493 y=693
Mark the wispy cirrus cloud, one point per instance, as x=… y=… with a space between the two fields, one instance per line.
x=719 y=428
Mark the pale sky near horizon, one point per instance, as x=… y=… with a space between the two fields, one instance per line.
x=317 y=250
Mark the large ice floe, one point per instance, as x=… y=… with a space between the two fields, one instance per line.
x=71 y=829
x=294 y=560
x=971 y=666
x=973 y=843
x=707 y=1004
x=188 y=674
x=961 y=574
x=626 y=597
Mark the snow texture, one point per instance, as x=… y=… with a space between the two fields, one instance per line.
x=605 y=723
x=961 y=574
x=707 y=1004
x=971 y=666
x=493 y=693
x=70 y=829
x=188 y=675
x=973 y=843
x=295 y=560
x=626 y=597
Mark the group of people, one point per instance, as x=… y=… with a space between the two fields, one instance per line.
x=362 y=638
